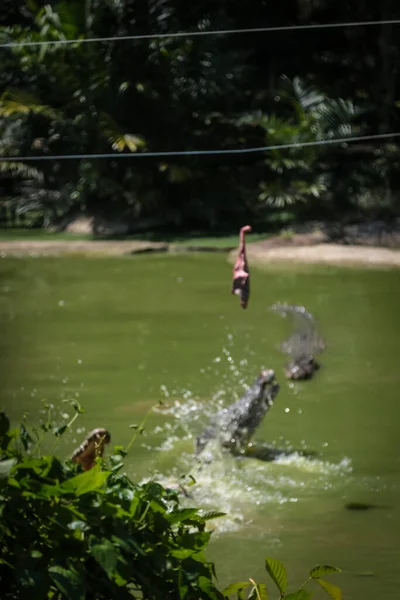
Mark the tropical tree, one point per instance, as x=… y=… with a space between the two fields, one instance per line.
x=188 y=93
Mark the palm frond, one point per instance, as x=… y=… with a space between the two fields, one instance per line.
x=281 y=193
x=336 y=118
x=19 y=169
x=19 y=102
x=301 y=96
x=118 y=139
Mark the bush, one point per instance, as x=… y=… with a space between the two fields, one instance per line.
x=96 y=535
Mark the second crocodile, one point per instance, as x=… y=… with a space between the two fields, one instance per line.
x=302 y=344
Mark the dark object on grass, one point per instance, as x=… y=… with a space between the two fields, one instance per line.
x=363 y=506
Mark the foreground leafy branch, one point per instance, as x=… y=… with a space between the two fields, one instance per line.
x=97 y=535
x=277 y=572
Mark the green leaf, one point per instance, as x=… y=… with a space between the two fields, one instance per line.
x=119 y=451
x=333 y=590
x=181 y=515
x=323 y=570
x=6 y=466
x=277 y=572
x=84 y=483
x=182 y=553
x=299 y=595
x=106 y=555
x=260 y=592
x=59 y=431
x=209 y=589
x=183 y=586
x=236 y=587
x=213 y=515
x=68 y=582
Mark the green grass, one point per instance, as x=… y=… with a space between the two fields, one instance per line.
x=9 y=235
x=195 y=238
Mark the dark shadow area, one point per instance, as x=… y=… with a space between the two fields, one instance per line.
x=361 y=506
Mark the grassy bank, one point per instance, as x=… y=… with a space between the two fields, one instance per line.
x=191 y=238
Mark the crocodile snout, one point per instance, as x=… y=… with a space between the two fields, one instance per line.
x=267 y=375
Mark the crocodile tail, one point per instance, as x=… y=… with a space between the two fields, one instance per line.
x=91 y=448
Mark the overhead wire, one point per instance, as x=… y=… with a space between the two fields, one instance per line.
x=191 y=34
x=114 y=155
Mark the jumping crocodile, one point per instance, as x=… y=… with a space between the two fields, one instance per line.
x=233 y=427
x=303 y=344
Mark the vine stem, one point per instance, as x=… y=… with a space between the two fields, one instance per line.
x=256 y=588
x=139 y=429
x=68 y=425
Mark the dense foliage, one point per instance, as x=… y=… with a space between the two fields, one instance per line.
x=97 y=535
x=204 y=92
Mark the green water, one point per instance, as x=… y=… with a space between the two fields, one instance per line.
x=121 y=334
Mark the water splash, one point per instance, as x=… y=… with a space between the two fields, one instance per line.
x=240 y=487
x=243 y=488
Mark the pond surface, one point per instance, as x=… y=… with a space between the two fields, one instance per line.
x=122 y=334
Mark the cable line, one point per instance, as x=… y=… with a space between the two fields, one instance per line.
x=190 y=34
x=114 y=155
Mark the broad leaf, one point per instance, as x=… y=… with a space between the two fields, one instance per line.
x=181 y=515
x=106 y=555
x=183 y=586
x=299 y=595
x=259 y=592
x=262 y=589
x=208 y=588
x=89 y=481
x=277 y=572
x=182 y=553
x=333 y=590
x=323 y=570
x=234 y=588
x=68 y=582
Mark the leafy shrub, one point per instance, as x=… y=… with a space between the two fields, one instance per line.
x=96 y=535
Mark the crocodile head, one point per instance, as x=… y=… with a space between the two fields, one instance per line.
x=247 y=414
x=232 y=427
x=302 y=367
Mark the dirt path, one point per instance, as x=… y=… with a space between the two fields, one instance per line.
x=334 y=254
x=86 y=248
x=301 y=249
